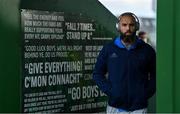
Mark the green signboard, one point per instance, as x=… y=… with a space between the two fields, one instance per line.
x=58 y=56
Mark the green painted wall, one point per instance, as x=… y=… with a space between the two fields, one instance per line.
x=168 y=54
x=176 y=57
x=10 y=39
x=93 y=8
x=167 y=46
x=10 y=56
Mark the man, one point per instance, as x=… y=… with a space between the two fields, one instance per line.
x=143 y=35
x=131 y=67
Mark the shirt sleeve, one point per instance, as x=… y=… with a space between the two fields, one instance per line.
x=151 y=86
x=100 y=71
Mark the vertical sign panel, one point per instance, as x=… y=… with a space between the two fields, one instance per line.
x=58 y=55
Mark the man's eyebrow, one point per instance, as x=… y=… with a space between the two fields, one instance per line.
x=124 y=23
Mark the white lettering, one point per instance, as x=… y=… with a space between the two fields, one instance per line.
x=35 y=81
x=65 y=66
x=35 y=68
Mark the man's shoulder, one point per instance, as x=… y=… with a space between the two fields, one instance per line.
x=149 y=47
x=142 y=44
x=110 y=43
x=106 y=47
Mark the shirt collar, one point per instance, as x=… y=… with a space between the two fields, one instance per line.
x=119 y=43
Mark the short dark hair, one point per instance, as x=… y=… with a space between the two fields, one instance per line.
x=141 y=33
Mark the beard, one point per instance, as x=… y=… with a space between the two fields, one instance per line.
x=128 y=38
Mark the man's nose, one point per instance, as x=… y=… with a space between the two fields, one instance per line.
x=127 y=27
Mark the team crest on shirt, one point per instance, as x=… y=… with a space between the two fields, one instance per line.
x=113 y=55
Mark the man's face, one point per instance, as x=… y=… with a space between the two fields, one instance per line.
x=127 y=26
x=144 y=36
